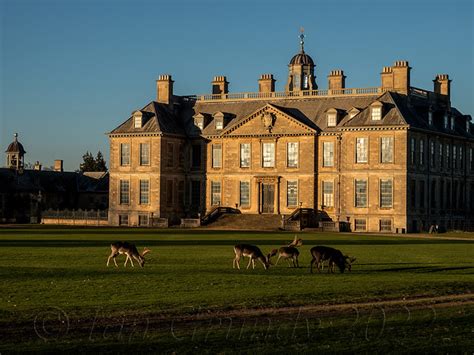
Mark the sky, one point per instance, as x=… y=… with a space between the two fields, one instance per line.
x=73 y=70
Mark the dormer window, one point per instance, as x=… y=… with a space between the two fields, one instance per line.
x=452 y=123
x=219 y=120
x=332 y=117
x=353 y=111
x=137 y=119
x=376 y=111
x=446 y=120
x=199 y=121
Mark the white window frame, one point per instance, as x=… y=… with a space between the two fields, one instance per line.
x=360 y=224
x=216 y=196
x=328 y=197
x=386 y=157
x=385 y=195
x=268 y=156
x=356 y=194
x=241 y=202
x=296 y=186
x=292 y=154
x=362 y=150
x=217 y=155
x=376 y=113
x=144 y=153
x=124 y=159
x=245 y=156
x=144 y=193
x=328 y=154
x=124 y=197
x=332 y=119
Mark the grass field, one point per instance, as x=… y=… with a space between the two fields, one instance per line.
x=57 y=293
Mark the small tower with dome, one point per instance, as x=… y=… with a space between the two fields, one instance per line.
x=301 y=70
x=15 y=154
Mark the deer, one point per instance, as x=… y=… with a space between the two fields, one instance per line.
x=130 y=250
x=253 y=253
x=334 y=258
x=290 y=252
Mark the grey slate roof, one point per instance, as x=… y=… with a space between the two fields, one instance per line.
x=398 y=109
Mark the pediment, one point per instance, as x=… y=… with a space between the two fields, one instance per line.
x=269 y=120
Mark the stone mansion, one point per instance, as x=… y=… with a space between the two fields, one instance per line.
x=391 y=158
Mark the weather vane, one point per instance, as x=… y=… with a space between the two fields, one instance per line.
x=302 y=38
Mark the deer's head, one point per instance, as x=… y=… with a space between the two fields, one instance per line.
x=348 y=261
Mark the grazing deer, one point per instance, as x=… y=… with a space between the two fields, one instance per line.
x=130 y=250
x=333 y=256
x=290 y=252
x=254 y=253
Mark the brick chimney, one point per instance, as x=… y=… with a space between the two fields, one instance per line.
x=336 y=80
x=220 y=85
x=266 y=83
x=164 y=89
x=442 y=85
x=387 y=78
x=401 y=76
x=58 y=165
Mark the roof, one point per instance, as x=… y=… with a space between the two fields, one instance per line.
x=15 y=147
x=397 y=110
x=301 y=58
x=51 y=181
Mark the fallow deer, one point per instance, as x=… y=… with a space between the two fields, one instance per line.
x=130 y=250
x=290 y=252
x=253 y=253
x=333 y=256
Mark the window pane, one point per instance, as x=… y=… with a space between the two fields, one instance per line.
x=268 y=155
x=387 y=149
x=412 y=151
x=245 y=155
x=385 y=225
x=328 y=154
x=215 y=193
x=144 y=191
x=143 y=220
x=328 y=194
x=422 y=152
x=217 y=155
x=292 y=193
x=124 y=154
x=244 y=193
x=386 y=193
x=123 y=220
x=219 y=124
x=292 y=152
x=144 y=154
x=360 y=224
x=331 y=119
x=361 y=193
x=376 y=113
x=170 y=160
x=362 y=150
x=124 y=192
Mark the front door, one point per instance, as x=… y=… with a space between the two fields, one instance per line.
x=268 y=198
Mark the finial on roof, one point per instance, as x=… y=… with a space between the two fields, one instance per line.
x=302 y=39
x=16 y=136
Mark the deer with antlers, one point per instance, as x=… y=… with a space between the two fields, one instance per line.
x=253 y=253
x=130 y=250
x=290 y=252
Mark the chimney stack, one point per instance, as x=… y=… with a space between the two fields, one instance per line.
x=164 y=89
x=266 y=83
x=58 y=166
x=336 y=80
x=37 y=166
x=442 y=85
x=387 y=78
x=220 y=85
x=401 y=76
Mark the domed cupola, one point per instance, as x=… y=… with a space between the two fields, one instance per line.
x=15 y=154
x=301 y=71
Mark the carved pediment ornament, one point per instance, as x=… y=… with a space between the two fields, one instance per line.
x=268 y=120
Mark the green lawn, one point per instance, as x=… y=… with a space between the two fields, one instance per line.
x=191 y=271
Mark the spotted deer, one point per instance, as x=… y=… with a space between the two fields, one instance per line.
x=334 y=257
x=130 y=250
x=253 y=253
x=290 y=252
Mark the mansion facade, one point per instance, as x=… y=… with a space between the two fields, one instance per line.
x=391 y=158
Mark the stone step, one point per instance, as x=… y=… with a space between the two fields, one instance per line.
x=247 y=222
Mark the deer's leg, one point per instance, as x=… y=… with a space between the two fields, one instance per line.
x=237 y=261
x=311 y=265
x=108 y=260
x=250 y=262
x=126 y=260
x=253 y=264
x=279 y=256
x=297 y=262
x=264 y=266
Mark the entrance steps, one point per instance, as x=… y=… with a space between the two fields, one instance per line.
x=260 y=222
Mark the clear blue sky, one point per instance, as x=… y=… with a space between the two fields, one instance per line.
x=72 y=70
